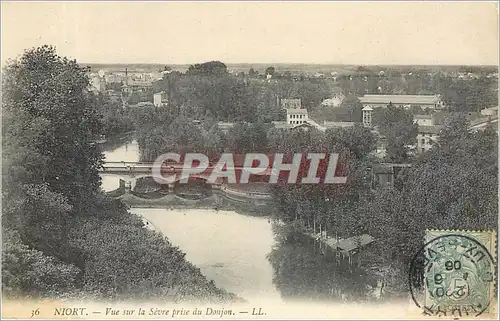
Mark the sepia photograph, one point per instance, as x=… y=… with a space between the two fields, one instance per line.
x=250 y=160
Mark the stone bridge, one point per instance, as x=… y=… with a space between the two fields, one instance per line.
x=130 y=172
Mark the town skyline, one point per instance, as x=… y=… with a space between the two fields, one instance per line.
x=320 y=33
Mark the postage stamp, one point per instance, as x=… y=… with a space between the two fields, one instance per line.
x=456 y=269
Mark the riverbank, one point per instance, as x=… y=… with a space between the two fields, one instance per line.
x=216 y=201
x=117 y=141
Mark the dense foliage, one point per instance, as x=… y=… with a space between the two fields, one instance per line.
x=115 y=118
x=208 y=90
x=61 y=235
x=397 y=127
x=453 y=186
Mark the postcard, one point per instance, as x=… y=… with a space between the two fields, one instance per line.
x=249 y=160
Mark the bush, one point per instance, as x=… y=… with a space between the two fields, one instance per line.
x=28 y=272
x=128 y=261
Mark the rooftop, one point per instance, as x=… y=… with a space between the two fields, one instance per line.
x=429 y=129
x=400 y=99
x=423 y=116
x=338 y=123
x=297 y=111
x=483 y=120
x=355 y=242
x=223 y=125
x=143 y=104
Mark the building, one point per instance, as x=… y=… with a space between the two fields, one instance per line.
x=337 y=124
x=427 y=137
x=291 y=103
x=284 y=125
x=367 y=116
x=160 y=99
x=126 y=89
x=492 y=111
x=380 y=148
x=406 y=101
x=304 y=126
x=139 y=85
x=383 y=175
x=296 y=116
x=142 y=104
x=113 y=78
x=225 y=127
x=423 y=120
x=334 y=101
x=97 y=83
x=483 y=122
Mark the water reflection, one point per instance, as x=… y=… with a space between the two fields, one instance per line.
x=305 y=270
x=228 y=247
x=109 y=182
x=126 y=150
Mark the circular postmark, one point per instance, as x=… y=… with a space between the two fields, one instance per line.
x=453 y=275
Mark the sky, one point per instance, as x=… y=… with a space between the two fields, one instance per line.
x=360 y=33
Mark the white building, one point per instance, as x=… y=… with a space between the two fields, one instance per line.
x=225 y=127
x=296 y=116
x=423 y=120
x=405 y=101
x=367 y=116
x=427 y=137
x=160 y=99
x=492 y=111
x=483 y=122
x=334 y=101
x=97 y=83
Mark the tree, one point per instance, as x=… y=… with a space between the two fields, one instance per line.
x=115 y=119
x=350 y=110
x=453 y=186
x=46 y=278
x=328 y=207
x=54 y=159
x=63 y=235
x=270 y=71
x=396 y=124
x=211 y=68
x=253 y=73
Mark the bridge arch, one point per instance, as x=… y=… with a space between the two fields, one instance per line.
x=132 y=179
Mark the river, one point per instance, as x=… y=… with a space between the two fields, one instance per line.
x=239 y=252
x=228 y=247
